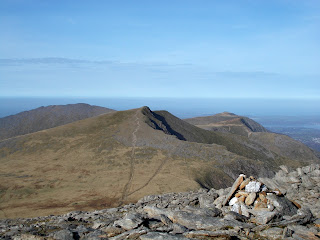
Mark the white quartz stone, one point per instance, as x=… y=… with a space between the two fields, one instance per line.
x=253 y=186
x=236 y=208
x=233 y=201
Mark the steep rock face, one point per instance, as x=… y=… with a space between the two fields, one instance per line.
x=46 y=117
x=200 y=214
x=170 y=124
x=253 y=125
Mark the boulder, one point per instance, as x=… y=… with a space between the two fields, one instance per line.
x=284 y=168
x=250 y=199
x=306 y=182
x=30 y=237
x=154 y=212
x=244 y=183
x=233 y=201
x=235 y=216
x=241 y=193
x=282 y=204
x=129 y=221
x=165 y=220
x=264 y=217
x=178 y=229
x=272 y=233
x=244 y=210
x=234 y=187
x=95 y=235
x=112 y=231
x=242 y=199
x=253 y=186
x=303 y=216
x=227 y=234
x=287 y=232
x=236 y=207
x=210 y=212
x=206 y=201
x=63 y=235
x=161 y=236
x=202 y=222
x=131 y=234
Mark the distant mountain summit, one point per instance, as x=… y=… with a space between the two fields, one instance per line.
x=238 y=125
x=46 y=117
x=227 y=122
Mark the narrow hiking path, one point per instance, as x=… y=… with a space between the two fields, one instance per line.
x=127 y=187
x=163 y=162
x=126 y=190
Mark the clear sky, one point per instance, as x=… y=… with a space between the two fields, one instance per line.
x=167 y=48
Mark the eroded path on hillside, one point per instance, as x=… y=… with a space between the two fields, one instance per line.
x=163 y=162
x=126 y=190
x=127 y=187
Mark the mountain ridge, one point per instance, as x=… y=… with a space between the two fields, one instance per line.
x=119 y=157
x=227 y=122
x=46 y=117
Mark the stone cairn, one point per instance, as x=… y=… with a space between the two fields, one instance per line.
x=249 y=196
x=284 y=207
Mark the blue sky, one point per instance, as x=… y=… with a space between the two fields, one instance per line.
x=176 y=48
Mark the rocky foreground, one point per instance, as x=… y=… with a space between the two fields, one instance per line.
x=285 y=207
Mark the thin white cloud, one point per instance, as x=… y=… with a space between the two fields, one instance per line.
x=79 y=62
x=48 y=60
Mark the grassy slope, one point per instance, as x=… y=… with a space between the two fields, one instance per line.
x=231 y=142
x=286 y=148
x=117 y=158
x=46 y=117
x=81 y=166
x=227 y=122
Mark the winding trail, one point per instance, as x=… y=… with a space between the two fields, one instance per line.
x=163 y=162
x=125 y=192
x=4 y=214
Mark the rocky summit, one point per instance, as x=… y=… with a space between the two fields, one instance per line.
x=286 y=206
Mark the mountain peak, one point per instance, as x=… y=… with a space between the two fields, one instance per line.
x=227 y=122
x=145 y=108
x=227 y=114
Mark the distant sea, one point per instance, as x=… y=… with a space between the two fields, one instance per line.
x=183 y=108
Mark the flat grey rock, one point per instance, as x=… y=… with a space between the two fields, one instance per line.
x=129 y=221
x=63 y=235
x=161 y=236
x=272 y=233
x=283 y=205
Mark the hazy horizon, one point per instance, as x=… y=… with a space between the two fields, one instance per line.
x=181 y=107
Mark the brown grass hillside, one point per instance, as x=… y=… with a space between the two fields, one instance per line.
x=277 y=143
x=227 y=122
x=119 y=157
x=47 y=117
